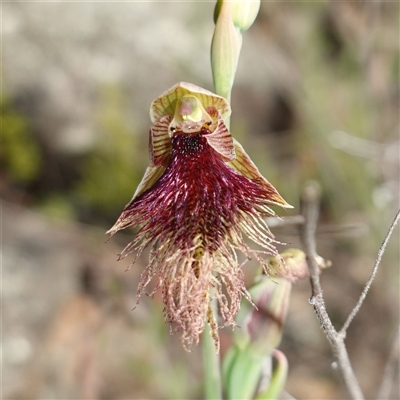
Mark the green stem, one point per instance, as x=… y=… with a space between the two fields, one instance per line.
x=212 y=370
x=225 y=50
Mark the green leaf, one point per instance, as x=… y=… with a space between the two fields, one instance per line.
x=278 y=379
x=241 y=373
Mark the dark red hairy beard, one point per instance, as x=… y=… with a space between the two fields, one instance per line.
x=194 y=218
x=199 y=195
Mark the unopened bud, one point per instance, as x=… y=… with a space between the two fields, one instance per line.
x=261 y=327
x=244 y=13
x=225 y=50
x=292 y=265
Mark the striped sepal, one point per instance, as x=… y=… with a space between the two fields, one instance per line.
x=151 y=176
x=243 y=164
x=221 y=139
x=160 y=142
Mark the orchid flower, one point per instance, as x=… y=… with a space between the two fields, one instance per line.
x=198 y=200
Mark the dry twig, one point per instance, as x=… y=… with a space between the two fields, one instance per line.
x=310 y=210
x=372 y=276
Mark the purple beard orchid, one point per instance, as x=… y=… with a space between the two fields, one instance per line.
x=199 y=198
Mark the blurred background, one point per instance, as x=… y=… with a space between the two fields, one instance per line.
x=316 y=97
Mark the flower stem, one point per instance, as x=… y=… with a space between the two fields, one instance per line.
x=212 y=371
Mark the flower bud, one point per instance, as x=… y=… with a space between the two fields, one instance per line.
x=261 y=328
x=225 y=50
x=244 y=13
x=292 y=265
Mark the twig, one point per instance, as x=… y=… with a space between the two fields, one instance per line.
x=372 y=276
x=391 y=367
x=310 y=210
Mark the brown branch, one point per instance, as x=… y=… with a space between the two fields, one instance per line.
x=310 y=211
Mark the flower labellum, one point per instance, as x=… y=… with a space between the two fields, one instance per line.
x=198 y=200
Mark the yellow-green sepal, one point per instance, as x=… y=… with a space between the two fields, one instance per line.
x=245 y=166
